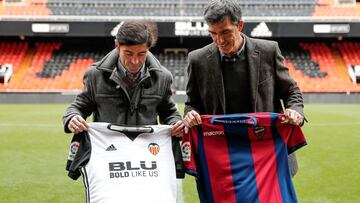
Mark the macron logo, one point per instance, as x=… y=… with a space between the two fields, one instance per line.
x=261 y=30
x=214 y=133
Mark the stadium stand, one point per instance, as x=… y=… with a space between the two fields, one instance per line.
x=174 y=8
x=302 y=61
x=113 y=9
x=330 y=8
x=12 y=53
x=260 y=8
x=52 y=67
x=44 y=66
x=28 y=7
x=58 y=67
x=175 y=61
x=177 y=8
x=63 y=57
x=154 y=8
x=329 y=62
x=349 y=52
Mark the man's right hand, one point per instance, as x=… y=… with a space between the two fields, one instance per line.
x=191 y=119
x=77 y=124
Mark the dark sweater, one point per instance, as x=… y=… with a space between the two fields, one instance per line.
x=237 y=85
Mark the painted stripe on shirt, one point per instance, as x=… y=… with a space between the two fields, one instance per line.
x=284 y=178
x=218 y=159
x=242 y=164
x=203 y=183
x=263 y=153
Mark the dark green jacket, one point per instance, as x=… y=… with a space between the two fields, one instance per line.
x=104 y=95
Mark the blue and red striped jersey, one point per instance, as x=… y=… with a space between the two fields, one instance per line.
x=242 y=157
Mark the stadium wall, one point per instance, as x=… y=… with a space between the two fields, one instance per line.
x=42 y=98
x=181 y=28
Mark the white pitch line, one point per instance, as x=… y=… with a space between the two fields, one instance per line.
x=29 y=125
x=180 y=195
x=4 y=124
x=332 y=124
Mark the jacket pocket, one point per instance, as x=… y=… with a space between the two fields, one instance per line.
x=150 y=101
x=110 y=104
x=152 y=92
x=266 y=94
x=266 y=81
x=266 y=87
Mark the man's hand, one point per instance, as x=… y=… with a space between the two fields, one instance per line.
x=293 y=117
x=77 y=124
x=192 y=119
x=176 y=129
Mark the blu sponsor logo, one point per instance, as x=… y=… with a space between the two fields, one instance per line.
x=131 y=169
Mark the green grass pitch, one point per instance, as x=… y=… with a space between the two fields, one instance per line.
x=33 y=150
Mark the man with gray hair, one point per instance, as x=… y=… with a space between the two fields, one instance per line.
x=239 y=74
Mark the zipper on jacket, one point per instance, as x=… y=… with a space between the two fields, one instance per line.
x=127 y=100
x=134 y=100
x=138 y=92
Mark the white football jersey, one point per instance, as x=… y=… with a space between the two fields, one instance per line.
x=125 y=168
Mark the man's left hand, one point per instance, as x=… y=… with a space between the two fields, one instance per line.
x=293 y=117
x=176 y=129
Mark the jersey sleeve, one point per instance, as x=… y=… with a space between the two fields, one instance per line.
x=82 y=156
x=292 y=136
x=296 y=140
x=179 y=165
x=188 y=149
x=74 y=146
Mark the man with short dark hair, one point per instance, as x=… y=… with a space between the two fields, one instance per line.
x=128 y=86
x=238 y=74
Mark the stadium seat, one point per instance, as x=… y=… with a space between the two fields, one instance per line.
x=59 y=66
x=175 y=62
x=329 y=8
x=328 y=79
x=28 y=7
x=301 y=60
x=12 y=53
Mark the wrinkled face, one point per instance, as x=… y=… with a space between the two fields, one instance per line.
x=133 y=57
x=226 y=35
